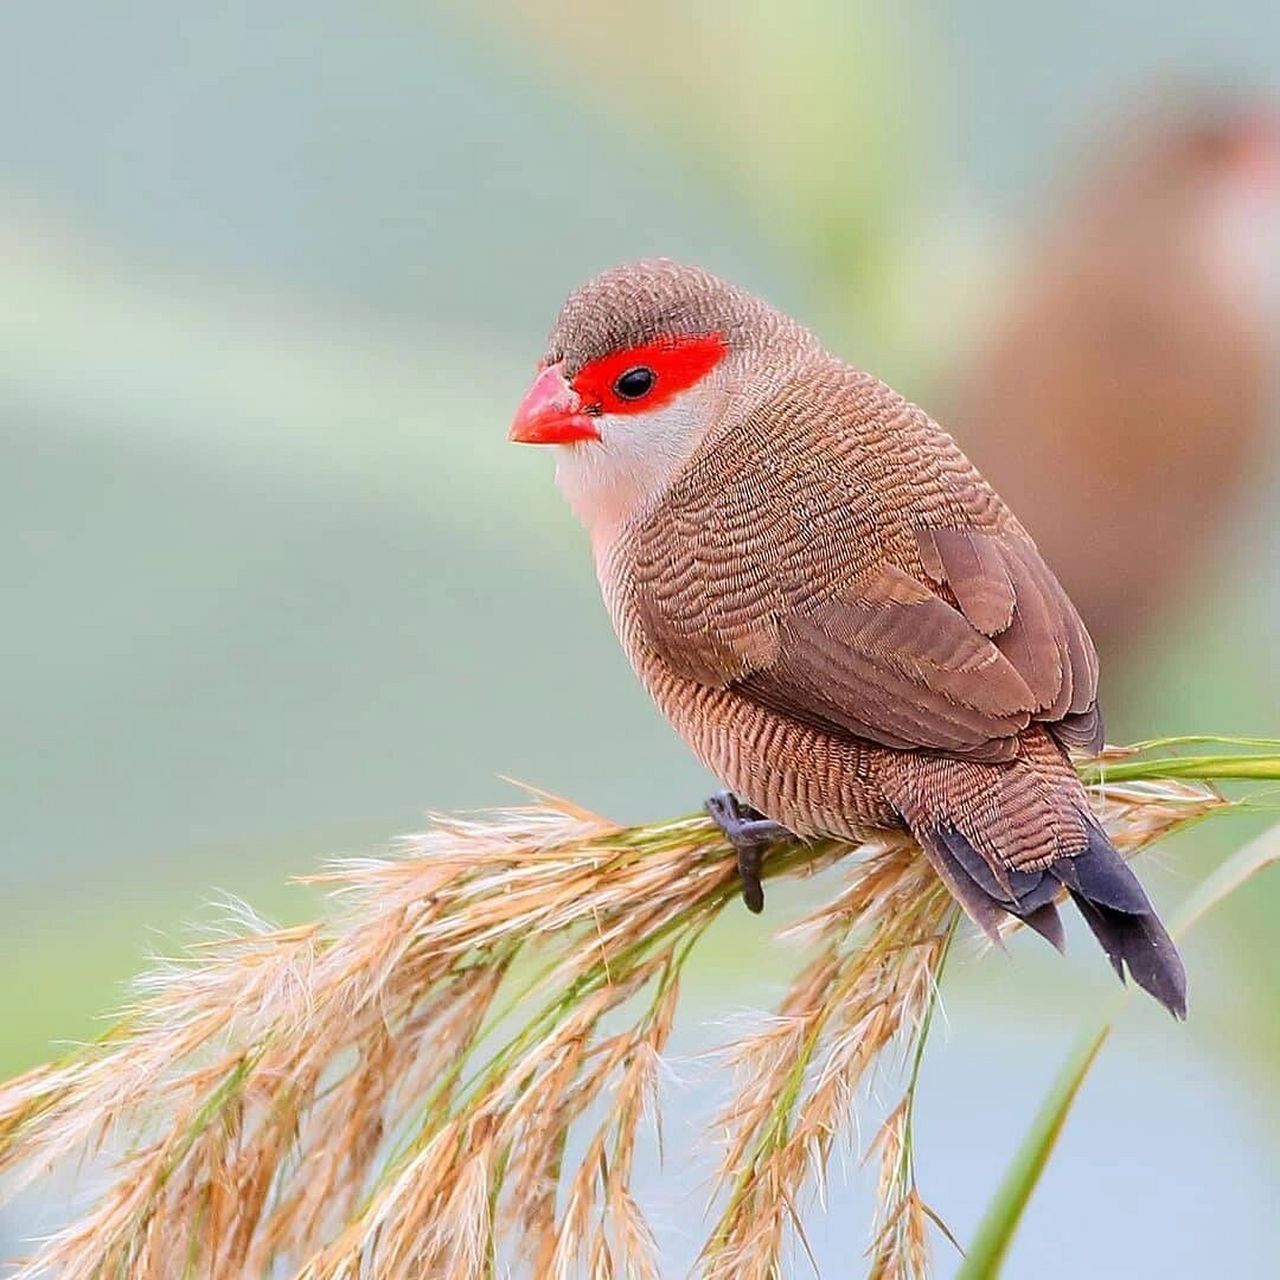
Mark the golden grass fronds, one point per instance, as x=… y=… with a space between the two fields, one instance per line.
x=448 y=1075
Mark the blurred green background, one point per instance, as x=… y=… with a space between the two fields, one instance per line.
x=274 y=276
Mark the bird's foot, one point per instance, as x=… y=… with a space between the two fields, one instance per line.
x=750 y=833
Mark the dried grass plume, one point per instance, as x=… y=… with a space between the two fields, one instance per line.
x=449 y=1074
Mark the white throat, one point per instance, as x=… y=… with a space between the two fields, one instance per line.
x=612 y=482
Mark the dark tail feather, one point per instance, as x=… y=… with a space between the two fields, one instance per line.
x=1117 y=909
x=981 y=907
x=1048 y=924
x=1108 y=894
x=972 y=882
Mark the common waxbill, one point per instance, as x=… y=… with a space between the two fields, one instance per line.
x=1123 y=397
x=830 y=604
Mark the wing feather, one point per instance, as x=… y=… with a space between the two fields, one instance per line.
x=781 y=568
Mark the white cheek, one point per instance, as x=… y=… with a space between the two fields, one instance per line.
x=620 y=477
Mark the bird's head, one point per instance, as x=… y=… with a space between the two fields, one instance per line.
x=1200 y=172
x=1243 y=216
x=641 y=365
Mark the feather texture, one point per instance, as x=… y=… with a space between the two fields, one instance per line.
x=776 y=563
x=851 y=629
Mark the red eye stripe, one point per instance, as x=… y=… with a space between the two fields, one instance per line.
x=678 y=361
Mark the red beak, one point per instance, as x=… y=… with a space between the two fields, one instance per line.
x=551 y=413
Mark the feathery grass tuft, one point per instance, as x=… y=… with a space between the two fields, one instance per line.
x=449 y=1074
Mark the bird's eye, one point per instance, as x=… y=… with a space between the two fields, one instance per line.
x=635 y=382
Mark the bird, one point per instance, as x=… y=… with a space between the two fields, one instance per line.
x=831 y=606
x=1128 y=370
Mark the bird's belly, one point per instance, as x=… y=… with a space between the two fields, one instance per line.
x=812 y=783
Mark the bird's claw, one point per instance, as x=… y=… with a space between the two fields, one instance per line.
x=750 y=833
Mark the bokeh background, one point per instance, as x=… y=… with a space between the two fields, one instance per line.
x=273 y=275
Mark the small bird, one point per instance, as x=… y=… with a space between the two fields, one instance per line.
x=1129 y=373
x=831 y=605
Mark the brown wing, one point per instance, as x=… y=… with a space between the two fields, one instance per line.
x=1007 y=592
x=818 y=579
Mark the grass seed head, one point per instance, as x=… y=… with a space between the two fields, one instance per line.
x=391 y=1090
